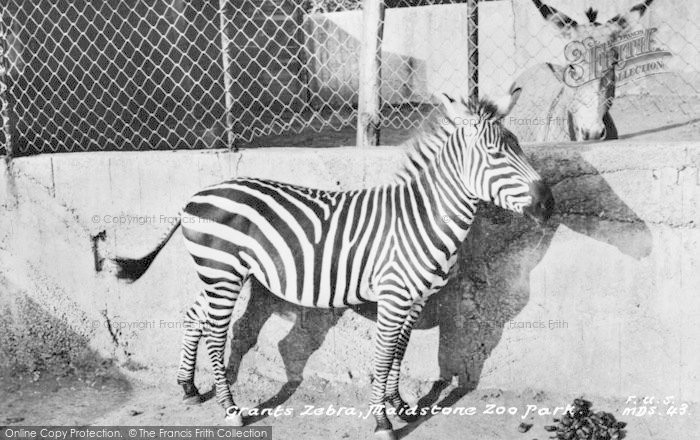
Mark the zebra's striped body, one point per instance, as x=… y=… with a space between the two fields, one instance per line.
x=324 y=249
x=393 y=244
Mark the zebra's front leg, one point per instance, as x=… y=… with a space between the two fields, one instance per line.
x=393 y=396
x=390 y=318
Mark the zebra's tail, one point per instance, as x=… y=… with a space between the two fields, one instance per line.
x=130 y=269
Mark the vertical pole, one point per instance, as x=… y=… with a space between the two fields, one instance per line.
x=228 y=81
x=473 y=48
x=369 y=103
x=5 y=131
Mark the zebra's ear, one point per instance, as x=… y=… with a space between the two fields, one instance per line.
x=448 y=103
x=514 y=95
x=446 y=100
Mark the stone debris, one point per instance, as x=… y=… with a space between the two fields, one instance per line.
x=582 y=423
x=524 y=427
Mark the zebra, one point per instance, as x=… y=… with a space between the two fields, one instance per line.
x=585 y=108
x=392 y=244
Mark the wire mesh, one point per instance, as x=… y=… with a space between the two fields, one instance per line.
x=5 y=139
x=426 y=51
x=113 y=75
x=654 y=88
x=644 y=68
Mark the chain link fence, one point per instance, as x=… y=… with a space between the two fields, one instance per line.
x=113 y=75
x=97 y=75
x=629 y=68
x=639 y=59
x=5 y=129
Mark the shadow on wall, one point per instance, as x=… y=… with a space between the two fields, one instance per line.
x=36 y=340
x=488 y=288
x=305 y=337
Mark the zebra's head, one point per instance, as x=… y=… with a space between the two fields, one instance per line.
x=588 y=102
x=494 y=167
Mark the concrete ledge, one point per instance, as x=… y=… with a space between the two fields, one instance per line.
x=613 y=280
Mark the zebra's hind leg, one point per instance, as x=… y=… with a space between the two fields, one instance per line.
x=193 y=324
x=221 y=299
x=403 y=410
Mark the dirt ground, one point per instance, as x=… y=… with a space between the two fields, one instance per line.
x=132 y=400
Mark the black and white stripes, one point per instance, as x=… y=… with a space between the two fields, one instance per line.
x=392 y=244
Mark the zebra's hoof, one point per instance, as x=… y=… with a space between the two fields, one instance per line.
x=234 y=418
x=194 y=399
x=385 y=434
x=192 y=396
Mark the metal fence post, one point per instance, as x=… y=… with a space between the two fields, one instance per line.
x=369 y=101
x=5 y=130
x=228 y=81
x=473 y=48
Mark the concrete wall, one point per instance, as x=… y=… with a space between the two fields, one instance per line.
x=613 y=279
x=425 y=48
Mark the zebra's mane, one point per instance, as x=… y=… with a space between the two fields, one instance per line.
x=424 y=147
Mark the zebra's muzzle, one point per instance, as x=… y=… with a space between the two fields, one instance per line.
x=542 y=205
